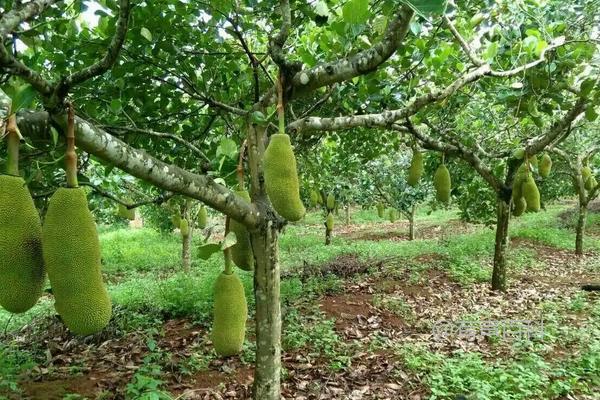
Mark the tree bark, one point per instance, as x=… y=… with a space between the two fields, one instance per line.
x=411 y=223
x=186 y=258
x=580 y=229
x=347 y=214
x=502 y=219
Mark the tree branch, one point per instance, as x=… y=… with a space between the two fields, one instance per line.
x=11 y=20
x=463 y=43
x=16 y=67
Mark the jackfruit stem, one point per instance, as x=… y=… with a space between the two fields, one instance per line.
x=12 y=160
x=70 y=154
x=227 y=252
x=280 y=109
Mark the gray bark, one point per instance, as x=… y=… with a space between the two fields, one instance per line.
x=501 y=246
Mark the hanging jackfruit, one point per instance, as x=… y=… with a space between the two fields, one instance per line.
x=520 y=175
x=329 y=222
x=533 y=160
x=519 y=153
x=442 y=183
x=201 y=218
x=72 y=255
x=520 y=206
x=241 y=251
x=380 y=210
x=127 y=213
x=331 y=201
x=586 y=172
x=416 y=168
x=22 y=273
x=545 y=165
x=230 y=312
x=176 y=220
x=590 y=183
x=392 y=215
x=531 y=194
x=281 y=178
x=184 y=227
x=314 y=198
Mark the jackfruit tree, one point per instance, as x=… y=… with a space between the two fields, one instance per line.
x=180 y=91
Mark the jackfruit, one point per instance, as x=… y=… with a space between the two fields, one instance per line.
x=392 y=215
x=184 y=227
x=314 y=198
x=71 y=252
x=22 y=273
x=416 y=169
x=518 y=180
x=531 y=194
x=590 y=183
x=442 y=183
x=281 y=178
x=545 y=166
x=520 y=206
x=380 y=210
x=126 y=213
x=519 y=153
x=201 y=218
x=241 y=251
x=329 y=222
x=330 y=201
x=230 y=312
x=586 y=172
x=176 y=220
x=533 y=160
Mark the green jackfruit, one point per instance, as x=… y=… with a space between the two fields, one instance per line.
x=241 y=252
x=519 y=153
x=281 y=178
x=176 y=220
x=520 y=206
x=126 y=213
x=392 y=215
x=72 y=255
x=590 y=183
x=330 y=201
x=202 y=217
x=416 y=169
x=230 y=312
x=545 y=166
x=586 y=172
x=531 y=194
x=520 y=176
x=329 y=222
x=380 y=210
x=22 y=273
x=442 y=183
x=184 y=227
x=314 y=198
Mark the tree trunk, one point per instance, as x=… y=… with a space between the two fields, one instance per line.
x=502 y=218
x=327 y=237
x=186 y=240
x=580 y=229
x=411 y=223
x=347 y=215
x=268 y=314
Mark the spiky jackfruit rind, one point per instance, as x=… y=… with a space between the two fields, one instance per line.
x=380 y=210
x=202 y=218
x=22 y=272
x=281 y=178
x=331 y=201
x=127 y=213
x=545 y=165
x=520 y=207
x=531 y=194
x=71 y=250
x=519 y=153
x=241 y=251
x=329 y=222
x=442 y=183
x=184 y=227
x=230 y=313
x=415 y=171
x=518 y=180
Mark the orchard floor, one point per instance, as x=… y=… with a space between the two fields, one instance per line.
x=358 y=318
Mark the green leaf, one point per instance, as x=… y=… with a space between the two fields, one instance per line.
x=356 y=11
x=23 y=98
x=590 y=113
x=146 y=34
x=207 y=250
x=227 y=148
x=380 y=23
x=115 y=106
x=587 y=86
x=427 y=8
x=228 y=241
x=258 y=118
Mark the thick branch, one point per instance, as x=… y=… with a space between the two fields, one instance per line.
x=278 y=41
x=16 y=67
x=11 y=20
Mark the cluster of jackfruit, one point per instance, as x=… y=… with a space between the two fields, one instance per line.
x=442 y=183
x=124 y=212
x=525 y=193
x=331 y=204
x=71 y=251
x=281 y=178
x=329 y=222
x=380 y=209
x=22 y=273
x=241 y=251
x=230 y=313
x=589 y=180
x=415 y=171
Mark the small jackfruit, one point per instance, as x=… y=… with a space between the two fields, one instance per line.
x=518 y=180
x=127 y=213
x=241 y=251
x=415 y=171
x=281 y=178
x=329 y=222
x=442 y=183
x=531 y=194
x=392 y=215
x=201 y=218
x=184 y=227
x=520 y=206
x=230 y=313
x=176 y=220
x=545 y=165
x=586 y=172
x=519 y=153
x=331 y=201
x=380 y=210
x=72 y=255
x=590 y=183
x=22 y=273
x=314 y=198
